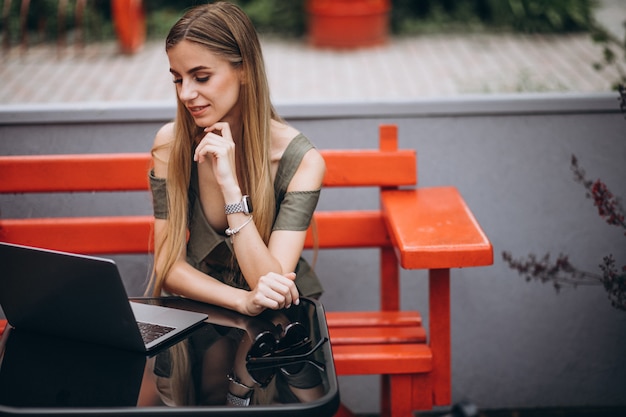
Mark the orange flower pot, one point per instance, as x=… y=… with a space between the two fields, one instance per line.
x=129 y=19
x=348 y=23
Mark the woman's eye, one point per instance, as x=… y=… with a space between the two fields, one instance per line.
x=177 y=80
x=202 y=79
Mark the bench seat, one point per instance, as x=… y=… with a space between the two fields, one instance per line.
x=382 y=358
x=373 y=318
x=366 y=335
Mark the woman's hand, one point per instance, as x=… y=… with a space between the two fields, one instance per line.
x=273 y=291
x=218 y=146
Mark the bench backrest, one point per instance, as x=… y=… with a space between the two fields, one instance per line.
x=386 y=167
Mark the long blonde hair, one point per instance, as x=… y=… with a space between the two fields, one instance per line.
x=226 y=31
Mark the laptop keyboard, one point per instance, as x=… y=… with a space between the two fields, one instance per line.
x=150 y=332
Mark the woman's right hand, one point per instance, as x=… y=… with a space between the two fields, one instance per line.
x=273 y=291
x=218 y=146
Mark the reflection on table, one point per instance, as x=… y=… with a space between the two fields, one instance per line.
x=278 y=362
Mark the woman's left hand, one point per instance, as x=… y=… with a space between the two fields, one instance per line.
x=273 y=291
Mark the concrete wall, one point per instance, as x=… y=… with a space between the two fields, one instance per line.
x=513 y=343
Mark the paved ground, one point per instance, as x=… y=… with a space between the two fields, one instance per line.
x=405 y=68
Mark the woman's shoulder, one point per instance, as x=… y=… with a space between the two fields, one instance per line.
x=282 y=135
x=287 y=138
x=161 y=149
x=311 y=169
x=165 y=135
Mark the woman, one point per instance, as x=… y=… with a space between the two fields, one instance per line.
x=234 y=187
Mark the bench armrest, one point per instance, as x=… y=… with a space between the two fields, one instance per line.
x=433 y=228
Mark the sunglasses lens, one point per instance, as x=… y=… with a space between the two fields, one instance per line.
x=295 y=341
x=264 y=346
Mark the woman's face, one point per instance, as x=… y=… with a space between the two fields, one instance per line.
x=206 y=84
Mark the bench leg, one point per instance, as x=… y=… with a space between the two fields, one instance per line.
x=439 y=310
x=422 y=392
x=400 y=395
x=414 y=388
x=390 y=280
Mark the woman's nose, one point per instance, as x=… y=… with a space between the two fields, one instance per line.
x=187 y=91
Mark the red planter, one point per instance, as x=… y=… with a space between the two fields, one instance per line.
x=348 y=23
x=129 y=19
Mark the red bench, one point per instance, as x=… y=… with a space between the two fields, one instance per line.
x=415 y=228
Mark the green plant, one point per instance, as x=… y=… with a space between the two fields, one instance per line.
x=46 y=21
x=409 y=16
x=288 y=17
x=159 y=22
x=162 y=14
x=276 y=16
x=613 y=52
x=268 y=16
x=555 y=16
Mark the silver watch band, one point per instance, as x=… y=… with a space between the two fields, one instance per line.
x=244 y=206
x=233 y=208
x=232 y=399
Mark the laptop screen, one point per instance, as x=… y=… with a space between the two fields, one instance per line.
x=278 y=363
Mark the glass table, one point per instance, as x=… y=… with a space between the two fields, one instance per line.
x=278 y=363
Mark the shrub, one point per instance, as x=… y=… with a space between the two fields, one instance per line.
x=555 y=16
x=287 y=17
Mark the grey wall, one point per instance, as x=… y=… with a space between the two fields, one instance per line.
x=513 y=343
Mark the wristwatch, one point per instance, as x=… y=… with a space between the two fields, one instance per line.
x=244 y=206
x=237 y=400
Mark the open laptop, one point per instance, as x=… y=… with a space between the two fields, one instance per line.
x=81 y=297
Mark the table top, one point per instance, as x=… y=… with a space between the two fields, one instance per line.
x=284 y=356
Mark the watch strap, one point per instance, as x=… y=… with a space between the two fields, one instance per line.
x=237 y=401
x=243 y=206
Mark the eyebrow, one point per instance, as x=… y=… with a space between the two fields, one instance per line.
x=192 y=70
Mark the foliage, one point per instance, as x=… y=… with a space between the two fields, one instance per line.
x=541 y=15
x=288 y=17
x=162 y=14
x=276 y=16
x=530 y=16
x=562 y=272
x=613 y=52
x=268 y=16
x=43 y=22
x=408 y=16
x=38 y=20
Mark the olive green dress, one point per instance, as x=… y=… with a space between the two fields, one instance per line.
x=211 y=251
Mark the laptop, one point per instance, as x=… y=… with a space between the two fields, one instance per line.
x=83 y=298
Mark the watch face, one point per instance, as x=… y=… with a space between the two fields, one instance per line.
x=247 y=202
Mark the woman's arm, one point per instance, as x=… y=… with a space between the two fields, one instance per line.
x=254 y=257
x=285 y=246
x=273 y=291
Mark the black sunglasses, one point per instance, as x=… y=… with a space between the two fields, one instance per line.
x=290 y=353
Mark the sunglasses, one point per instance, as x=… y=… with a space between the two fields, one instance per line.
x=289 y=353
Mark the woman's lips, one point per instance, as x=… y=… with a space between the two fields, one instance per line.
x=197 y=110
